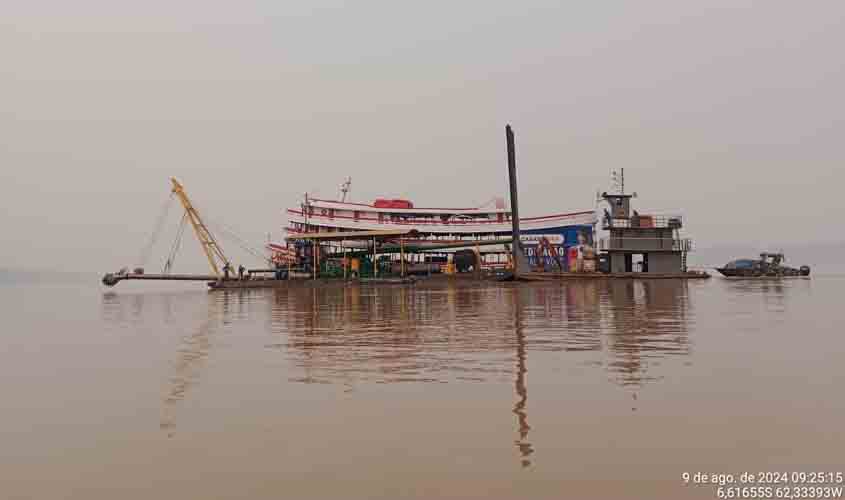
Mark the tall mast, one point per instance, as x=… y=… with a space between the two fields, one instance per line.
x=622 y=175
x=344 y=188
x=305 y=211
x=520 y=264
x=618 y=179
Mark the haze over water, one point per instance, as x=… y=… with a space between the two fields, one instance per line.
x=588 y=390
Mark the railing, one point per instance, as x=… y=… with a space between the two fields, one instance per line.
x=572 y=218
x=645 y=221
x=646 y=244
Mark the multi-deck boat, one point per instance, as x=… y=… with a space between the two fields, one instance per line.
x=459 y=223
x=442 y=226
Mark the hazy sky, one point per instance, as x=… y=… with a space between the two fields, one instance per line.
x=730 y=110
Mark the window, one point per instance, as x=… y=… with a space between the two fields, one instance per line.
x=740 y=264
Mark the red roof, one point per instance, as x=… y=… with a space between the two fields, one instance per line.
x=394 y=203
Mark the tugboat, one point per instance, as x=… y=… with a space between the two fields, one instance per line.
x=768 y=266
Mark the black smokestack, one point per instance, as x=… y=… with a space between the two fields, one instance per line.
x=516 y=246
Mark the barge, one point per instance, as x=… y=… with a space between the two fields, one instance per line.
x=393 y=241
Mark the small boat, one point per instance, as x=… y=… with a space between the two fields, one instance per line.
x=769 y=265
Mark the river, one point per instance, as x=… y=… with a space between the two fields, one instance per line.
x=595 y=389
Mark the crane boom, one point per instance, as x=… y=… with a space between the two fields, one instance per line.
x=207 y=241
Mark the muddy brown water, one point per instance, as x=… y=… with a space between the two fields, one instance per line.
x=607 y=389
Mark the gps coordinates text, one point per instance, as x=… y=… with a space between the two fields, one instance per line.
x=764 y=485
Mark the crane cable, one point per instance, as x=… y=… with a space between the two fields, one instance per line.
x=147 y=249
x=240 y=242
x=233 y=236
x=177 y=243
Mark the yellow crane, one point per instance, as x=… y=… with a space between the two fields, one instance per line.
x=209 y=244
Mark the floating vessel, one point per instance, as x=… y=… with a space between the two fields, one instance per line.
x=393 y=241
x=489 y=226
x=434 y=239
x=769 y=265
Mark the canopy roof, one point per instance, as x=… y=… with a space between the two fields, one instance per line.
x=353 y=235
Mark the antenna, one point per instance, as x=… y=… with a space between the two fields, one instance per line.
x=622 y=181
x=618 y=180
x=345 y=188
x=305 y=211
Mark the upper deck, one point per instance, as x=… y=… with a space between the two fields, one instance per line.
x=319 y=204
x=674 y=221
x=445 y=223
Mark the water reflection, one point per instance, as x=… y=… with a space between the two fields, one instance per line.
x=522 y=444
x=121 y=309
x=193 y=349
x=436 y=333
x=468 y=332
x=774 y=292
x=649 y=321
x=477 y=332
x=223 y=308
x=191 y=358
